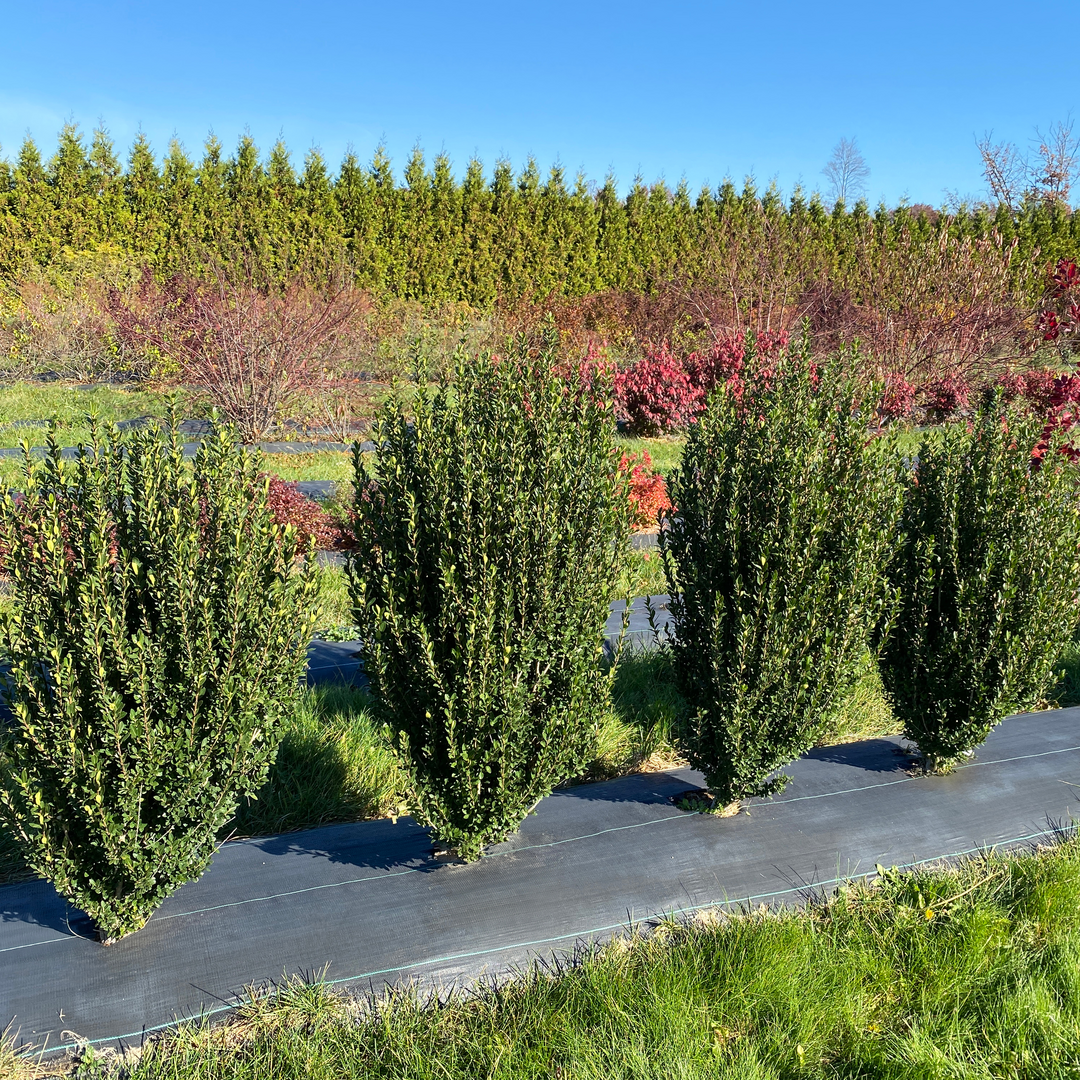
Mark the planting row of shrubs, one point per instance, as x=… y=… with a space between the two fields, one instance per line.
x=801 y=540
x=161 y=615
x=661 y=393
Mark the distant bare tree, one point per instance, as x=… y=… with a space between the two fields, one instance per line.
x=1006 y=171
x=846 y=172
x=1059 y=152
x=1047 y=176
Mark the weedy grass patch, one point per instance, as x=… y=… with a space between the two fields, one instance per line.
x=964 y=971
x=67 y=405
x=332 y=765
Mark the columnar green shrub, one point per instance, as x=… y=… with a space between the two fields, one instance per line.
x=775 y=562
x=987 y=574
x=489 y=534
x=158 y=635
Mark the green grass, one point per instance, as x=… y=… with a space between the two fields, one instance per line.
x=664 y=451
x=320 y=465
x=68 y=407
x=333 y=765
x=864 y=712
x=967 y=972
x=335 y=608
x=1067 y=690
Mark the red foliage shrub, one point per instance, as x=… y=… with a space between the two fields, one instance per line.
x=657 y=394
x=1040 y=390
x=897 y=398
x=289 y=507
x=1060 y=317
x=1064 y=419
x=726 y=359
x=660 y=394
x=1046 y=391
x=946 y=395
x=648 y=491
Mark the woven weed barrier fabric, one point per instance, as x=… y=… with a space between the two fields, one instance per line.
x=368 y=904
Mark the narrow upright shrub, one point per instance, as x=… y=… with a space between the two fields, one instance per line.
x=157 y=635
x=489 y=533
x=775 y=565
x=987 y=574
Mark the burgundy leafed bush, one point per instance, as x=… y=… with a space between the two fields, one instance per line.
x=946 y=395
x=657 y=395
x=289 y=507
x=897 y=398
x=1060 y=318
x=725 y=361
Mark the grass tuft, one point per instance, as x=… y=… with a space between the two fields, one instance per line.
x=332 y=765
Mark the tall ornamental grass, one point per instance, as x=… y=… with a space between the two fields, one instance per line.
x=987 y=574
x=157 y=639
x=489 y=531
x=786 y=517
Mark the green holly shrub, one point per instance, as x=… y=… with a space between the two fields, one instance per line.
x=987 y=574
x=489 y=530
x=786 y=517
x=157 y=637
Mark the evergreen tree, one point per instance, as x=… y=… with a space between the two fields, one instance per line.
x=319 y=224
x=178 y=209
x=143 y=191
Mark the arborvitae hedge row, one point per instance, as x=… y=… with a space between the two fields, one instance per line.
x=437 y=238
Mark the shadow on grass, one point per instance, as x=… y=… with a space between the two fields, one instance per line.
x=332 y=766
x=1067 y=690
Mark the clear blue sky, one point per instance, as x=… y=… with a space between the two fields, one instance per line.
x=701 y=90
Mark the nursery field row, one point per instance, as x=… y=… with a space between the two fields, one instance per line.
x=866 y=983
x=802 y=550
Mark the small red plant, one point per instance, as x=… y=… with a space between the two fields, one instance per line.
x=648 y=491
x=289 y=507
x=946 y=396
x=897 y=398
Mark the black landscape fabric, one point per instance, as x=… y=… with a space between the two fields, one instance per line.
x=367 y=904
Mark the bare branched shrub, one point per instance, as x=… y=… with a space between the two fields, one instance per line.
x=55 y=322
x=926 y=311
x=64 y=333
x=254 y=350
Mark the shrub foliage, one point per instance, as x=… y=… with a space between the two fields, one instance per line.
x=775 y=565
x=158 y=635
x=289 y=506
x=987 y=574
x=488 y=535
